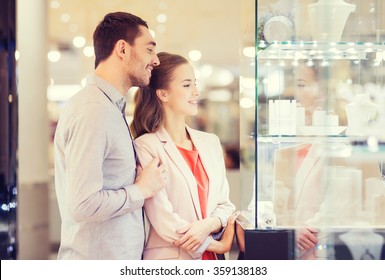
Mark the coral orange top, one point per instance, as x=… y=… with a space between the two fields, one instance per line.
x=194 y=162
x=301 y=154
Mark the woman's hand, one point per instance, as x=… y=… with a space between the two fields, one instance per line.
x=195 y=233
x=307 y=238
x=224 y=245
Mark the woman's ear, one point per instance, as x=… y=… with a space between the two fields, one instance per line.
x=162 y=95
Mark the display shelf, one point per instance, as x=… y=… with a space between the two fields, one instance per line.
x=301 y=138
x=317 y=50
x=318 y=131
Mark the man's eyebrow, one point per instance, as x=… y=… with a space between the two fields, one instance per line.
x=152 y=43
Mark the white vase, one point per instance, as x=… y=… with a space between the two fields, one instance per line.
x=327 y=19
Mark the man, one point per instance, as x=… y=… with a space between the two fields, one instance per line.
x=99 y=191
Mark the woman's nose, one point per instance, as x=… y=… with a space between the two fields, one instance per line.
x=196 y=91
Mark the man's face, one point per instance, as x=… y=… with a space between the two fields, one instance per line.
x=142 y=59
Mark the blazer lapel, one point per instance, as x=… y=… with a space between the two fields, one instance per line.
x=175 y=156
x=203 y=149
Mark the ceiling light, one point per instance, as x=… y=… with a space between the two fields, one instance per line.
x=161 y=18
x=195 y=55
x=79 y=41
x=54 y=4
x=249 y=51
x=54 y=56
x=65 y=17
x=246 y=102
x=88 y=51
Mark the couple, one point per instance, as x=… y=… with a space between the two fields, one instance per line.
x=103 y=178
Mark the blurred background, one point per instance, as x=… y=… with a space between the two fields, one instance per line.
x=53 y=53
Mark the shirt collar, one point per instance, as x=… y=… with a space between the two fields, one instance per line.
x=114 y=95
x=121 y=103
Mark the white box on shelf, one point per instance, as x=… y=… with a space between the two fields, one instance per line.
x=282 y=117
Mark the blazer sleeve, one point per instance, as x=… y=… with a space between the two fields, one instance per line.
x=160 y=211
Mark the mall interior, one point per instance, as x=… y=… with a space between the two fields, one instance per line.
x=52 y=45
x=295 y=91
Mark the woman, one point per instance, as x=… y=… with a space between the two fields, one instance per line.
x=309 y=92
x=189 y=214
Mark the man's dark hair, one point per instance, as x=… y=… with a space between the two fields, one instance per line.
x=113 y=27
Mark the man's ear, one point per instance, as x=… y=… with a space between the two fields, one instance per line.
x=121 y=48
x=162 y=95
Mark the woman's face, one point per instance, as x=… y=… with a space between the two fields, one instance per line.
x=307 y=91
x=182 y=92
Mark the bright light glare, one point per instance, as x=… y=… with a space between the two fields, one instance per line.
x=195 y=55
x=54 y=56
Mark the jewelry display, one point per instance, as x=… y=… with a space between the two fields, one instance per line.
x=360 y=113
x=319 y=124
x=327 y=19
x=277 y=26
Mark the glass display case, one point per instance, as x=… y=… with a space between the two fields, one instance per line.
x=318 y=132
